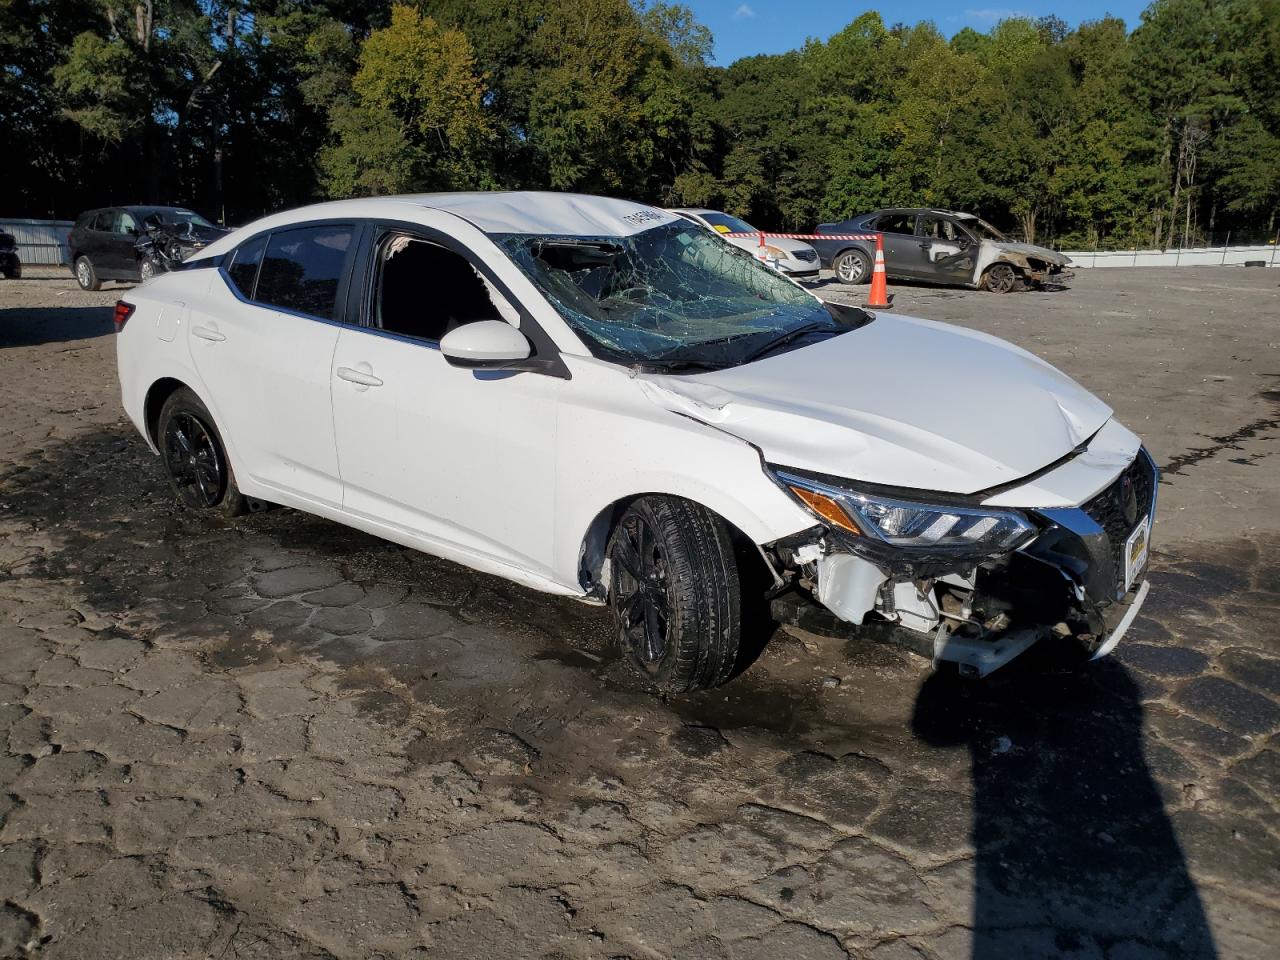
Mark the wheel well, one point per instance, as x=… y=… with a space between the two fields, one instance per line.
x=160 y=391
x=595 y=544
x=1002 y=263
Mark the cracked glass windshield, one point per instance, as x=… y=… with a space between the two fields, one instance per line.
x=674 y=296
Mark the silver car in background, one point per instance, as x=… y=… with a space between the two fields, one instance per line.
x=795 y=258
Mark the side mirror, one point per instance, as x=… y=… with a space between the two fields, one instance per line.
x=494 y=344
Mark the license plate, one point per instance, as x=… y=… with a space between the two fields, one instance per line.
x=1135 y=552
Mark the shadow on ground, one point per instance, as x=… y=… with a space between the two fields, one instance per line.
x=29 y=326
x=1069 y=829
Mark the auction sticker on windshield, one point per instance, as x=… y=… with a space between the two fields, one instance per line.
x=1135 y=552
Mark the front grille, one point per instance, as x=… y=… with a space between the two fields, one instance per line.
x=807 y=255
x=1120 y=507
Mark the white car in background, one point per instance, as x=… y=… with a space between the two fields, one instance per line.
x=599 y=399
x=795 y=258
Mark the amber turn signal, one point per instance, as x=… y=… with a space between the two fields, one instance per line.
x=825 y=507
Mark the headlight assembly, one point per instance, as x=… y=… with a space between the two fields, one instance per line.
x=910 y=525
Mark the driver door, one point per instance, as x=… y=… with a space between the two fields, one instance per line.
x=460 y=458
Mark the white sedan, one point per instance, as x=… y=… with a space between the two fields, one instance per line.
x=599 y=399
x=795 y=258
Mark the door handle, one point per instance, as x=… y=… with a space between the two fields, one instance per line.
x=208 y=333
x=351 y=375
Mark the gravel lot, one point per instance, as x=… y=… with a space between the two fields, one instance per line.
x=280 y=738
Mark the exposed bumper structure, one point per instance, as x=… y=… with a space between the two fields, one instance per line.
x=1080 y=580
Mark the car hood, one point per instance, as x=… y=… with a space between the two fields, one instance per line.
x=901 y=402
x=1031 y=250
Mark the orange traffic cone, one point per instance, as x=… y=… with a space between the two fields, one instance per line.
x=879 y=299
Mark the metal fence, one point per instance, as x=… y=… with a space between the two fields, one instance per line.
x=1266 y=254
x=40 y=241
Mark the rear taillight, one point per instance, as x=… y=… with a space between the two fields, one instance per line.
x=124 y=310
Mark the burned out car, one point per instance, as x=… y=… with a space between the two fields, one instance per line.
x=601 y=400
x=938 y=246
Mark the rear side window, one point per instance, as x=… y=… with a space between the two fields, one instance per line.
x=103 y=220
x=302 y=268
x=244 y=265
x=897 y=223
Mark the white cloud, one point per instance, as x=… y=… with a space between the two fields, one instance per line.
x=744 y=12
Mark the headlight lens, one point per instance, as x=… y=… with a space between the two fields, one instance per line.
x=777 y=252
x=909 y=524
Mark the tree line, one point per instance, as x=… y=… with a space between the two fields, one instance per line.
x=1094 y=136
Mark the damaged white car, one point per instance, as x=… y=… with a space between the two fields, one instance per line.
x=599 y=399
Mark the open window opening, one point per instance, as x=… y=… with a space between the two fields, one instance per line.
x=425 y=290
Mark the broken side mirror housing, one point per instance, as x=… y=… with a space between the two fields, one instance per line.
x=493 y=344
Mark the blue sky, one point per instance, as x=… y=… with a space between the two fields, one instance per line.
x=746 y=27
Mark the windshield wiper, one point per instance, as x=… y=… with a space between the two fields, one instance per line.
x=785 y=338
x=672 y=364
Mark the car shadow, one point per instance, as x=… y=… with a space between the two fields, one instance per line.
x=861 y=291
x=1073 y=849
x=29 y=326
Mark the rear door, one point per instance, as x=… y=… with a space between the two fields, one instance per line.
x=902 y=256
x=263 y=343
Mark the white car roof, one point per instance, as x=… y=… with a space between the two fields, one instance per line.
x=529 y=212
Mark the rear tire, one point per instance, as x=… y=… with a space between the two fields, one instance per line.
x=852 y=267
x=675 y=593
x=195 y=458
x=86 y=276
x=1000 y=278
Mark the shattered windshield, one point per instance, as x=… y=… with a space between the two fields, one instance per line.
x=982 y=230
x=673 y=296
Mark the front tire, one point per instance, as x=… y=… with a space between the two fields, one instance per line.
x=195 y=458
x=147 y=269
x=852 y=267
x=86 y=276
x=675 y=593
x=1000 y=278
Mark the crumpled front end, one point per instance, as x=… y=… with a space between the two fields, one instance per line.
x=972 y=584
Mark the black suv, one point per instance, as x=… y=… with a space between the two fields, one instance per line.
x=10 y=265
x=104 y=242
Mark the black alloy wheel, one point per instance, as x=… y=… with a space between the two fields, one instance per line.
x=195 y=458
x=644 y=591
x=194 y=461
x=675 y=593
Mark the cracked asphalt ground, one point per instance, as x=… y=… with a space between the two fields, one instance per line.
x=279 y=738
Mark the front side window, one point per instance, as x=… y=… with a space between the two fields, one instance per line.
x=672 y=296
x=939 y=228
x=243 y=269
x=126 y=224
x=425 y=290
x=302 y=267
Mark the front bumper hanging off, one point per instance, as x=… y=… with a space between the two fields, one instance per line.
x=1074 y=583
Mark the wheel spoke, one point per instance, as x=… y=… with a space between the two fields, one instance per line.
x=628 y=554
